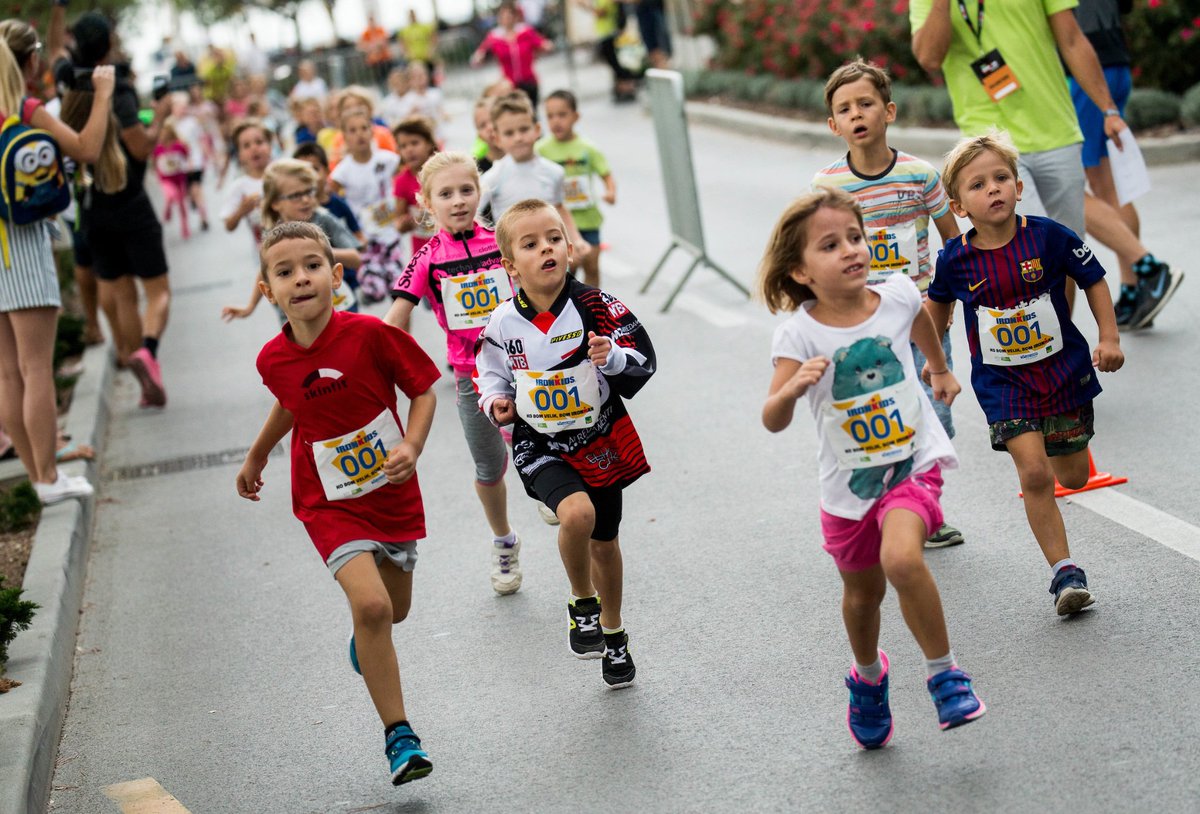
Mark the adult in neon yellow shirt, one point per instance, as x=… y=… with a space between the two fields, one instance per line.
x=419 y=40
x=1038 y=114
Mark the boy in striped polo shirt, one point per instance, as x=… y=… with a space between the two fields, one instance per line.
x=1030 y=366
x=898 y=194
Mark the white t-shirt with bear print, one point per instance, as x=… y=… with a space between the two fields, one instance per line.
x=872 y=415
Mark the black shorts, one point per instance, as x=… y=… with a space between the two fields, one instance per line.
x=79 y=243
x=131 y=246
x=195 y=177
x=556 y=481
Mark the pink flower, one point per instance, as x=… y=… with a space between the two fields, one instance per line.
x=1187 y=34
x=794 y=50
x=868 y=25
x=1154 y=3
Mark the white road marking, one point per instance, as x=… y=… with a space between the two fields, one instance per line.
x=1144 y=519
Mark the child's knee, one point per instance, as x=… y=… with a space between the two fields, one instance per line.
x=1037 y=477
x=605 y=551
x=903 y=567
x=863 y=599
x=399 y=613
x=372 y=610
x=577 y=515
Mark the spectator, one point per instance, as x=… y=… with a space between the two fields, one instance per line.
x=514 y=45
x=183 y=67
x=253 y=60
x=375 y=47
x=217 y=70
x=309 y=85
x=656 y=33
x=420 y=43
x=610 y=22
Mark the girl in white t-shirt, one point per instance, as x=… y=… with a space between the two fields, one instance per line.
x=882 y=448
x=364 y=179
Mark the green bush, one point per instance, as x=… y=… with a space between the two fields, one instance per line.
x=1150 y=108
x=16 y=614
x=69 y=339
x=1189 y=109
x=19 y=508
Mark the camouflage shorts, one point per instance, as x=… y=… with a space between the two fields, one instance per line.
x=1065 y=433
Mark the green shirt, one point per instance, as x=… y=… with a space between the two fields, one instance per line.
x=606 y=19
x=418 y=41
x=580 y=160
x=1039 y=116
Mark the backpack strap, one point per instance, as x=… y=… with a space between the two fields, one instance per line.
x=28 y=105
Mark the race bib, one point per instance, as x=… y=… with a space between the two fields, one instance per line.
x=169 y=164
x=893 y=249
x=351 y=465
x=1018 y=336
x=556 y=400
x=470 y=299
x=874 y=429
x=577 y=192
x=343 y=298
x=382 y=214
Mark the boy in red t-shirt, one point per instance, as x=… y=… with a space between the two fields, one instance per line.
x=354 y=482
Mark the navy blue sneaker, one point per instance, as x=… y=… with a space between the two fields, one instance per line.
x=869 y=717
x=956 y=702
x=354 y=656
x=1153 y=291
x=408 y=760
x=1071 y=594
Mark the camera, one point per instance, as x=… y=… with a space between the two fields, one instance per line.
x=163 y=84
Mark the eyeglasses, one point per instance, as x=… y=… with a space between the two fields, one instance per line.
x=299 y=196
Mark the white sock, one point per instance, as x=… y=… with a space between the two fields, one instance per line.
x=609 y=631
x=935 y=666
x=1061 y=564
x=870 y=672
x=507 y=540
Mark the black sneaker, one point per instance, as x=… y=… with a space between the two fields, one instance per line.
x=618 y=669
x=1125 y=306
x=583 y=630
x=1153 y=292
x=1070 y=589
x=945 y=537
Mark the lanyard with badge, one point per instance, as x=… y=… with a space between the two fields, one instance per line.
x=993 y=72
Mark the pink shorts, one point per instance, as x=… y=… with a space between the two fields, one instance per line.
x=854 y=544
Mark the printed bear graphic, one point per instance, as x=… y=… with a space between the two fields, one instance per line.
x=864 y=367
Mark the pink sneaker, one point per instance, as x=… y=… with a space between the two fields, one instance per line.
x=149 y=376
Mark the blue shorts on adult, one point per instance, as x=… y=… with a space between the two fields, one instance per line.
x=1091 y=118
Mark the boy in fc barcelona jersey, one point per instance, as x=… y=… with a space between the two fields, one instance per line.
x=1030 y=366
x=555 y=361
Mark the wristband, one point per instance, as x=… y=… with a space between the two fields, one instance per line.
x=939 y=372
x=1111 y=111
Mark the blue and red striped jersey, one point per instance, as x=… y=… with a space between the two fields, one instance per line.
x=1033 y=265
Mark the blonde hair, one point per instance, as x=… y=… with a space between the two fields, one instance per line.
x=516 y=102
x=854 y=71
x=277 y=171
x=292 y=230
x=12 y=79
x=167 y=131
x=968 y=149
x=436 y=163
x=110 y=172
x=504 y=229
x=356 y=95
x=785 y=248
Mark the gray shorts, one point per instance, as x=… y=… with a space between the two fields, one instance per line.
x=483 y=439
x=1055 y=179
x=401 y=555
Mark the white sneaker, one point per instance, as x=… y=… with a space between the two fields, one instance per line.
x=65 y=488
x=506 y=568
x=549 y=517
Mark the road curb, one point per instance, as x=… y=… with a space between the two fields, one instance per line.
x=928 y=142
x=43 y=657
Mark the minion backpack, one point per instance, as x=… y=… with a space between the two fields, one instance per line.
x=33 y=184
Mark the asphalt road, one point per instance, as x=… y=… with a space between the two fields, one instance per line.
x=211 y=659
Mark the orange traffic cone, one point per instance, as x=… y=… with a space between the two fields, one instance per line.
x=1096 y=480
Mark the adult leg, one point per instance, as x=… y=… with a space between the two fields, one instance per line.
x=372 y=611
x=901 y=556
x=89 y=300
x=1104 y=190
x=158 y=305
x=1058 y=175
x=33 y=336
x=118 y=299
x=1028 y=451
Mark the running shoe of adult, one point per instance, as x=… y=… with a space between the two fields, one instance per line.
x=584 y=635
x=548 y=516
x=506 y=568
x=1070 y=590
x=407 y=759
x=1153 y=292
x=1124 y=307
x=869 y=715
x=617 y=670
x=956 y=701
x=149 y=376
x=64 y=488
x=945 y=537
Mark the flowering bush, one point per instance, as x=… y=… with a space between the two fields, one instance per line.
x=1164 y=41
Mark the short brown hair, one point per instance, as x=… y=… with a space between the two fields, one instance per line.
x=854 y=71
x=292 y=230
x=968 y=149
x=515 y=102
x=248 y=124
x=504 y=228
x=785 y=248
x=418 y=126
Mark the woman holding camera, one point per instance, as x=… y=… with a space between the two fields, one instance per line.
x=29 y=292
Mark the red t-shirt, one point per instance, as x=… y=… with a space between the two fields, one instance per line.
x=407 y=188
x=515 y=56
x=345 y=382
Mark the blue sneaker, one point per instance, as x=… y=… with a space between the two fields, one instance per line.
x=869 y=717
x=1071 y=594
x=956 y=702
x=354 y=656
x=408 y=760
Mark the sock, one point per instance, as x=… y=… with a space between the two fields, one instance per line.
x=1128 y=293
x=575 y=599
x=387 y=732
x=870 y=672
x=507 y=541
x=1061 y=564
x=935 y=666
x=150 y=343
x=612 y=631
x=1146 y=266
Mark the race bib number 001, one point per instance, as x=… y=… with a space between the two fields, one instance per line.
x=1017 y=336
x=556 y=400
x=577 y=192
x=351 y=465
x=874 y=429
x=343 y=298
x=893 y=249
x=470 y=299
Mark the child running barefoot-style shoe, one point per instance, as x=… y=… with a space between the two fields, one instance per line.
x=408 y=760
x=583 y=629
x=548 y=516
x=945 y=537
x=506 y=567
x=1070 y=590
x=956 y=701
x=618 y=669
x=149 y=376
x=869 y=716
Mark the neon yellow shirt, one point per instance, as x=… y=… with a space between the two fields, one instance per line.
x=418 y=41
x=1039 y=116
x=580 y=160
